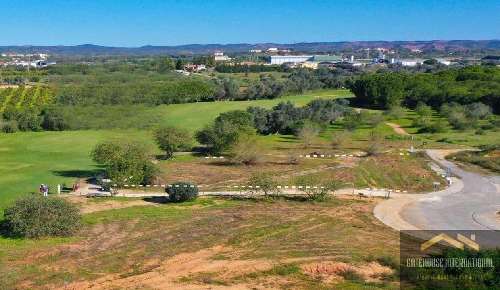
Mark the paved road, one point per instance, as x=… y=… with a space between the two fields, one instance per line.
x=473 y=207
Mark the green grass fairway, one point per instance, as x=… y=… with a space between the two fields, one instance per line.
x=31 y=158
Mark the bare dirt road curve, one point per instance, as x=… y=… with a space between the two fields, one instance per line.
x=471 y=203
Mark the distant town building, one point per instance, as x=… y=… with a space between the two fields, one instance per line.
x=272 y=49
x=410 y=62
x=219 y=56
x=255 y=50
x=281 y=59
x=308 y=64
x=444 y=61
x=312 y=60
x=195 y=67
x=327 y=58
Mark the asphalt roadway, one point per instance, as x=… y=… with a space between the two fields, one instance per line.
x=473 y=207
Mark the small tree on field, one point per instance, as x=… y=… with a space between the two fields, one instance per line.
x=225 y=131
x=292 y=157
x=307 y=133
x=263 y=182
x=317 y=189
x=375 y=144
x=340 y=138
x=424 y=114
x=352 y=121
x=478 y=111
x=395 y=112
x=171 y=139
x=246 y=150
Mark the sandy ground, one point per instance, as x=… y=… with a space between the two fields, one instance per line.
x=397 y=128
x=167 y=274
x=87 y=205
x=182 y=271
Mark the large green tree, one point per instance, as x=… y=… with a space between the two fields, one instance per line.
x=225 y=130
x=125 y=161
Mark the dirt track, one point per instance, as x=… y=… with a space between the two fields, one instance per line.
x=397 y=128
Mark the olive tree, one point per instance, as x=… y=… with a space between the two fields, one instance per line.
x=263 y=182
x=171 y=139
x=125 y=161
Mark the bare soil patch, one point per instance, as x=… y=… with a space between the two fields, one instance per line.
x=397 y=128
x=331 y=271
x=88 y=205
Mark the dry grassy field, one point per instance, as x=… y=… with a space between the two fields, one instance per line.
x=212 y=243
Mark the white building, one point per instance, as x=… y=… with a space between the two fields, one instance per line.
x=219 y=56
x=255 y=50
x=281 y=59
x=272 y=49
x=444 y=61
x=410 y=62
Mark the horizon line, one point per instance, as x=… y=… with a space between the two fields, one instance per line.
x=236 y=43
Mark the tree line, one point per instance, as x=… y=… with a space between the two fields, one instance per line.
x=462 y=86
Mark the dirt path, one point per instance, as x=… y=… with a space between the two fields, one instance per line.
x=397 y=128
x=88 y=205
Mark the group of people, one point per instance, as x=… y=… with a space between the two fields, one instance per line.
x=44 y=189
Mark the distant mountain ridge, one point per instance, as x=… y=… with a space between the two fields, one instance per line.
x=187 y=49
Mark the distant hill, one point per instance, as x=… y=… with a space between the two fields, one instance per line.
x=90 y=49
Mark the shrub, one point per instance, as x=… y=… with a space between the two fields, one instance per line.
x=317 y=189
x=352 y=121
x=53 y=119
x=435 y=127
x=395 y=112
x=388 y=261
x=182 y=191
x=37 y=216
x=375 y=144
x=292 y=157
x=339 y=139
x=422 y=122
x=9 y=126
x=423 y=110
x=246 y=150
x=372 y=119
x=171 y=139
x=478 y=111
x=265 y=182
x=307 y=133
x=351 y=275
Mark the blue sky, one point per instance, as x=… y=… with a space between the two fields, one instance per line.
x=173 y=22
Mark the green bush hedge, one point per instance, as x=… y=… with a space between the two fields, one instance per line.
x=182 y=191
x=37 y=216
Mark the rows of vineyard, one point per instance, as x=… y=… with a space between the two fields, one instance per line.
x=25 y=97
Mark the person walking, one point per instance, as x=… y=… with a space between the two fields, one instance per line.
x=45 y=190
